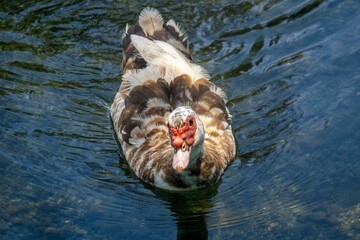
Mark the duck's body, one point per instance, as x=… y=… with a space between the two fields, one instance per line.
x=171 y=121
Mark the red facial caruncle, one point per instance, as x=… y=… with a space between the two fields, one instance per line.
x=184 y=134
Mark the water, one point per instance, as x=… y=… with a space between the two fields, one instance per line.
x=291 y=71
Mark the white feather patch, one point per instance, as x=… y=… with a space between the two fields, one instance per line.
x=219 y=92
x=215 y=111
x=204 y=104
x=116 y=108
x=138 y=165
x=146 y=119
x=159 y=181
x=150 y=21
x=137 y=77
x=136 y=138
x=157 y=102
x=212 y=172
x=163 y=56
x=188 y=94
x=140 y=118
x=125 y=31
x=149 y=164
x=177 y=28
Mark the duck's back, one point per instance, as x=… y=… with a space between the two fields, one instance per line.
x=158 y=76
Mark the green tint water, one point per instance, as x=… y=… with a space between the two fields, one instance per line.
x=291 y=72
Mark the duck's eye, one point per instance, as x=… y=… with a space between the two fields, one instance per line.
x=191 y=122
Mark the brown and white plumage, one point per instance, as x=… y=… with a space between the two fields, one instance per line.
x=171 y=121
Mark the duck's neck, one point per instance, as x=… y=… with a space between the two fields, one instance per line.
x=191 y=175
x=195 y=156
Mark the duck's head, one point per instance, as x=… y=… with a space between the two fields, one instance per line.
x=187 y=137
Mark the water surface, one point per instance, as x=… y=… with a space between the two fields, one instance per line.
x=291 y=70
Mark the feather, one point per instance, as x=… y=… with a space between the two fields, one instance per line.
x=179 y=32
x=125 y=31
x=163 y=56
x=150 y=21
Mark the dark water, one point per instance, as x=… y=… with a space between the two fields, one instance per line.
x=291 y=70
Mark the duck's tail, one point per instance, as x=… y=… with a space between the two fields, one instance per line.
x=151 y=26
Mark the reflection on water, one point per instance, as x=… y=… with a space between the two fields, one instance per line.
x=290 y=69
x=190 y=210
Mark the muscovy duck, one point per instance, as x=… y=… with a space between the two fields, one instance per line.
x=171 y=121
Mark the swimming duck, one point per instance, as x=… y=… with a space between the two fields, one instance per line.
x=171 y=121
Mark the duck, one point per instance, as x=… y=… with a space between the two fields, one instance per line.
x=171 y=121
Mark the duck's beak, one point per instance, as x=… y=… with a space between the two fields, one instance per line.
x=181 y=158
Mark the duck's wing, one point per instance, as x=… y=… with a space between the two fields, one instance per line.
x=219 y=143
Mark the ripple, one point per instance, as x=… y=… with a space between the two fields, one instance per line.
x=289 y=69
x=298 y=13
